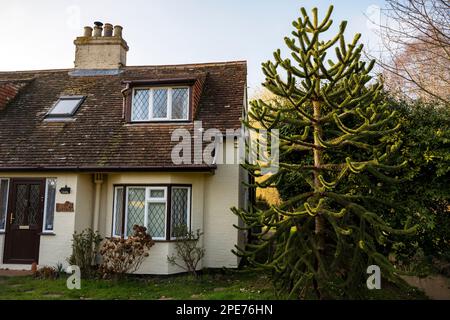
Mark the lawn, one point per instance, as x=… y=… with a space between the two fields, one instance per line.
x=245 y=285
x=217 y=285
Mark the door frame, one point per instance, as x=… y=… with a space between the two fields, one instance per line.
x=11 y=199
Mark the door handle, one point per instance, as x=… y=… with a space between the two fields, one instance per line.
x=11 y=219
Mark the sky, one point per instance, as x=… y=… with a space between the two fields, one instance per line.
x=37 y=35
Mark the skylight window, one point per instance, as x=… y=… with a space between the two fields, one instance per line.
x=66 y=107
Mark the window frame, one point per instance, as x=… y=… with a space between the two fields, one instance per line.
x=2 y=230
x=49 y=114
x=168 y=213
x=168 y=117
x=44 y=217
x=113 y=233
x=165 y=200
x=188 y=220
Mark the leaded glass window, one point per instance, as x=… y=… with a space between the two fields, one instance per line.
x=156 y=212
x=21 y=205
x=4 y=189
x=180 y=103
x=50 y=200
x=149 y=206
x=140 y=109
x=160 y=104
x=118 y=212
x=180 y=210
x=135 y=208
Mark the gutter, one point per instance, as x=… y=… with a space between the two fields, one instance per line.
x=211 y=168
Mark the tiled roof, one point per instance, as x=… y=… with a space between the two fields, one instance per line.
x=99 y=138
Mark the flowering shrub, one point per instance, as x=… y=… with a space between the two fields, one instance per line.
x=121 y=256
x=46 y=273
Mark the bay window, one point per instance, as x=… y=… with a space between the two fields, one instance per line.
x=160 y=104
x=161 y=209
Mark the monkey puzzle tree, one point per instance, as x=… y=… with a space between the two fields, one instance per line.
x=333 y=128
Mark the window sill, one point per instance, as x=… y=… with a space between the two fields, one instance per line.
x=154 y=240
x=49 y=233
x=168 y=122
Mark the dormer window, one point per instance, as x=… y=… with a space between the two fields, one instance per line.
x=65 y=107
x=160 y=104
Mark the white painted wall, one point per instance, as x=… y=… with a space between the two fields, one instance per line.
x=84 y=202
x=221 y=193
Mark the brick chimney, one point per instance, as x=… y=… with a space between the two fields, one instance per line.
x=101 y=48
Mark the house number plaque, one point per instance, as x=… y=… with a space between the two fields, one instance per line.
x=64 y=207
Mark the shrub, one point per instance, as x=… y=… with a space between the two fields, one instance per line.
x=46 y=273
x=85 y=247
x=187 y=250
x=59 y=268
x=121 y=256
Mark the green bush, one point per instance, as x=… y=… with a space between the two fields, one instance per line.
x=85 y=247
x=187 y=250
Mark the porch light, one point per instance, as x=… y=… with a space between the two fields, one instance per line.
x=65 y=190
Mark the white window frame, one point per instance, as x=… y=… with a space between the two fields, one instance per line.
x=125 y=227
x=44 y=220
x=7 y=202
x=115 y=210
x=149 y=199
x=169 y=104
x=188 y=220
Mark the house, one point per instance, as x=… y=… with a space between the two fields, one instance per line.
x=93 y=147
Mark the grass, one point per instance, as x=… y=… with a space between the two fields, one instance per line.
x=232 y=285
x=225 y=285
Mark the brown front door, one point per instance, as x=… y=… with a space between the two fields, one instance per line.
x=24 y=221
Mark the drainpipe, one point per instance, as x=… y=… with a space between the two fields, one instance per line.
x=98 y=180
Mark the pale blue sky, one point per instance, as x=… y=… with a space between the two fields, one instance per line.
x=40 y=34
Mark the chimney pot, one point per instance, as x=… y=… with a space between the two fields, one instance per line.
x=98 y=31
x=108 y=30
x=87 y=31
x=118 y=31
x=101 y=53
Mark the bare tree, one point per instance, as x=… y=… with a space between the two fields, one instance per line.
x=416 y=39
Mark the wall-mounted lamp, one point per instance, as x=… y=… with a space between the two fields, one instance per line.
x=65 y=190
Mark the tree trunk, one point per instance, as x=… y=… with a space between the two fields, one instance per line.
x=319 y=228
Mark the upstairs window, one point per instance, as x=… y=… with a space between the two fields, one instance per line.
x=160 y=104
x=65 y=107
